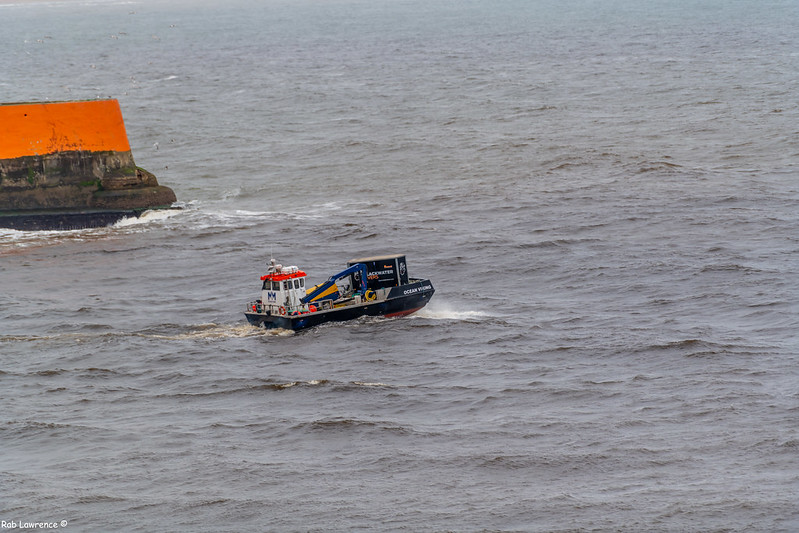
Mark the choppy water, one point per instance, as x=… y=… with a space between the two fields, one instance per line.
x=604 y=195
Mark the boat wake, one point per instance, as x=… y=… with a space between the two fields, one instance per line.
x=445 y=311
x=166 y=333
x=217 y=331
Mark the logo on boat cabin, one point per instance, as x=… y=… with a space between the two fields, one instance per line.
x=375 y=274
x=271 y=296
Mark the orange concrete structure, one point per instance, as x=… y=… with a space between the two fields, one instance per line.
x=71 y=157
x=46 y=128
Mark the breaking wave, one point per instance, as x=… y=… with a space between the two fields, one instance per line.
x=147 y=217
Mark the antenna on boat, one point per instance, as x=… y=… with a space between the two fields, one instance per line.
x=271 y=269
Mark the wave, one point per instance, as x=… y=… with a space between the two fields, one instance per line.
x=194 y=215
x=147 y=217
x=730 y=267
x=353 y=424
x=255 y=386
x=26 y=429
x=17 y=240
x=694 y=347
x=232 y=387
x=14 y=241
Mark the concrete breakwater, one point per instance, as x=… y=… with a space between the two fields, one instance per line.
x=67 y=165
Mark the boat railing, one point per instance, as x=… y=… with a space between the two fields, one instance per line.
x=259 y=307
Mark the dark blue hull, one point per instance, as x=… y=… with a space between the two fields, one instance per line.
x=402 y=300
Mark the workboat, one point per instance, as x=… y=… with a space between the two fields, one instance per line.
x=369 y=286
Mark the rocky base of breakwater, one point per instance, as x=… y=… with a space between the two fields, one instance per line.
x=69 y=190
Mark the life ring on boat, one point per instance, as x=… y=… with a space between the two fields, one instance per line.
x=312 y=308
x=282 y=310
x=369 y=295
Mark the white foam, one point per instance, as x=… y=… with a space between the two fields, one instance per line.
x=12 y=241
x=446 y=311
x=147 y=217
x=7 y=235
x=231 y=193
x=217 y=331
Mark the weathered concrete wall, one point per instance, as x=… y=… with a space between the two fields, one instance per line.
x=69 y=155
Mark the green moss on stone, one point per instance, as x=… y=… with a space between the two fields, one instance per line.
x=92 y=183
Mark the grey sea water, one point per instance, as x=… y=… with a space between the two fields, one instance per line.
x=604 y=194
